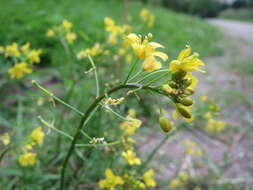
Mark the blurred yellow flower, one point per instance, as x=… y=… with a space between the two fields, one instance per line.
x=175 y=183
x=111 y=27
x=27 y=158
x=5 y=138
x=130 y=125
x=34 y=56
x=97 y=49
x=66 y=24
x=203 y=98
x=215 y=126
x=37 y=136
x=111 y=180
x=113 y=102
x=50 y=33
x=19 y=70
x=12 y=50
x=131 y=157
x=147 y=17
x=25 y=48
x=186 y=62
x=70 y=37
x=191 y=148
x=149 y=179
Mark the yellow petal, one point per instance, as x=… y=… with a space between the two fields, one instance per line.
x=150 y=64
x=161 y=55
x=184 y=53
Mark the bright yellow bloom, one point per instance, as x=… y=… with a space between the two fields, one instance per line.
x=12 y=50
x=194 y=80
x=113 y=102
x=147 y=51
x=186 y=62
x=27 y=158
x=149 y=179
x=132 y=113
x=111 y=180
x=25 y=48
x=37 y=136
x=175 y=183
x=19 y=70
x=70 y=37
x=50 y=33
x=34 y=56
x=147 y=17
x=66 y=24
x=130 y=125
x=93 y=51
x=131 y=157
x=111 y=27
x=5 y=138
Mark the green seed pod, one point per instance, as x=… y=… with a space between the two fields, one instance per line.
x=179 y=75
x=172 y=84
x=183 y=111
x=189 y=91
x=165 y=124
x=186 y=102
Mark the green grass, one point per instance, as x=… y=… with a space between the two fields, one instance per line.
x=242 y=14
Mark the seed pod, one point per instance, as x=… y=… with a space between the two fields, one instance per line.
x=183 y=111
x=167 y=89
x=165 y=124
x=189 y=91
x=186 y=102
x=179 y=75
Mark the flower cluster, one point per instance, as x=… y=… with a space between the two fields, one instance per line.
x=147 y=17
x=28 y=157
x=23 y=58
x=96 y=50
x=63 y=31
x=192 y=149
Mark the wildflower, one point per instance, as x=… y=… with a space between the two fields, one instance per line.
x=27 y=158
x=37 y=136
x=94 y=51
x=111 y=27
x=113 y=102
x=50 y=33
x=66 y=24
x=5 y=138
x=34 y=56
x=112 y=39
x=70 y=37
x=147 y=51
x=175 y=183
x=19 y=70
x=186 y=62
x=25 y=48
x=12 y=50
x=131 y=158
x=111 y=180
x=147 y=17
x=215 y=126
x=194 y=80
x=148 y=178
x=130 y=125
x=132 y=113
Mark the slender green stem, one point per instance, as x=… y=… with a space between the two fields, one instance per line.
x=49 y=125
x=86 y=116
x=96 y=75
x=152 y=73
x=56 y=98
x=4 y=152
x=131 y=71
x=99 y=145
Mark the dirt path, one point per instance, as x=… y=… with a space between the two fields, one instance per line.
x=238 y=29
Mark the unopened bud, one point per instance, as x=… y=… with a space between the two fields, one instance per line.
x=179 y=75
x=167 y=89
x=187 y=102
x=189 y=91
x=187 y=82
x=173 y=84
x=165 y=124
x=183 y=111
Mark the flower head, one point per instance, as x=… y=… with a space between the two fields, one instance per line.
x=37 y=136
x=66 y=24
x=130 y=125
x=5 y=138
x=131 y=157
x=111 y=180
x=149 y=179
x=70 y=37
x=34 y=56
x=27 y=158
x=50 y=33
x=25 y=48
x=19 y=70
x=12 y=50
x=147 y=17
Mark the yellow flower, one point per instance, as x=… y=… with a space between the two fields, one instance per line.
x=147 y=17
x=34 y=56
x=19 y=70
x=12 y=50
x=25 y=48
x=175 y=183
x=93 y=51
x=5 y=138
x=215 y=126
x=148 y=178
x=27 y=158
x=111 y=180
x=113 y=102
x=186 y=62
x=70 y=37
x=131 y=158
x=147 y=51
x=37 y=136
x=194 y=80
x=112 y=39
x=130 y=125
x=66 y=24
x=111 y=27
x=132 y=113
x=50 y=33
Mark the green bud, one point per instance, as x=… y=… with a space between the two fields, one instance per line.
x=179 y=75
x=183 y=111
x=189 y=91
x=187 y=82
x=186 y=102
x=165 y=124
x=173 y=84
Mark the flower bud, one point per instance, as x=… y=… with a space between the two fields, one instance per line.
x=165 y=124
x=189 y=91
x=167 y=89
x=186 y=102
x=173 y=84
x=187 y=82
x=179 y=75
x=183 y=111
